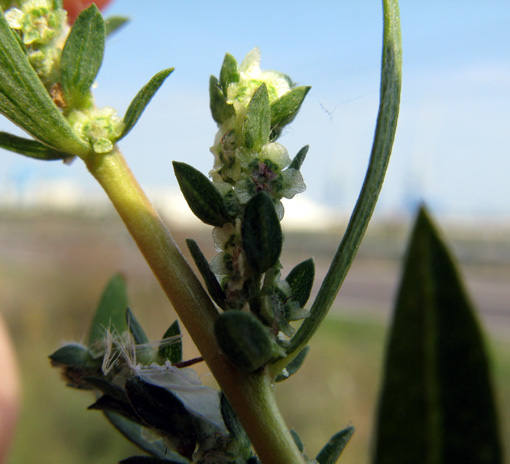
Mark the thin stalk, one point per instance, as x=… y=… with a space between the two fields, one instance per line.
x=251 y=395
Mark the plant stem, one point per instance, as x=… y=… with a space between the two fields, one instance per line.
x=251 y=395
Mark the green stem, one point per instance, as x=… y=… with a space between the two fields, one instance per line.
x=251 y=395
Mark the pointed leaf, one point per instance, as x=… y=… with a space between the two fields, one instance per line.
x=135 y=328
x=261 y=233
x=297 y=440
x=243 y=339
x=294 y=365
x=389 y=103
x=74 y=355
x=202 y=196
x=229 y=72
x=111 y=311
x=299 y=158
x=300 y=281
x=30 y=148
x=21 y=91
x=286 y=108
x=233 y=424
x=142 y=99
x=172 y=351
x=334 y=447
x=220 y=109
x=436 y=403
x=82 y=55
x=114 y=23
x=211 y=282
x=257 y=124
x=135 y=433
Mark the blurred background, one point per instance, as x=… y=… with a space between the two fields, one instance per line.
x=60 y=241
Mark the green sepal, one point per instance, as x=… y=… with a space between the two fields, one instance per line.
x=300 y=280
x=335 y=446
x=142 y=99
x=134 y=433
x=152 y=460
x=261 y=233
x=243 y=339
x=111 y=311
x=294 y=365
x=172 y=351
x=114 y=23
x=234 y=426
x=21 y=91
x=161 y=409
x=75 y=356
x=220 y=109
x=286 y=108
x=297 y=161
x=211 y=282
x=436 y=402
x=82 y=56
x=257 y=124
x=202 y=196
x=135 y=329
x=30 y=148
x=229 y=73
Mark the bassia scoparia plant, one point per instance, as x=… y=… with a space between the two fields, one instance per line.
x=250 y=319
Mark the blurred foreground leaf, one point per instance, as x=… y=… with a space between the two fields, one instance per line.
x=436 y=403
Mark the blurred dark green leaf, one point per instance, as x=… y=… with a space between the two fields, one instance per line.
x=257 y=124
x=74 y=355
x=261 y=233
x=142 y=99
x=135 y=328
x=202 y=196
x=211 y=282
x=220 y=109
x=234 y=426
x=436 y=403
x=229 y=72
x=114 y=23
x=173 y=350
x=30 y=148
x=286 y=108
x=335 y=446
x=297 y=161
x=243 y=339
x=294 y=365
x=82 y=55
x=300 y=280
x=111 y=312
x=25 y=101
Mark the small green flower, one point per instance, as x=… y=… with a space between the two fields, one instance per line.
x=100 y=127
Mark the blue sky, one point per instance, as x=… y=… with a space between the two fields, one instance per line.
x=452 y=147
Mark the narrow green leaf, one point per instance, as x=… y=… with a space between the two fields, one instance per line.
x=335 y=446
x=391 y=79
x=286 y=108
x=294 y=365
x=261 y=233
x=114 y=23
x=297 y=440
x=257 y=125
x=220 y=109
x=82 y=55
x=25 y=101
x=75 y=356
x=300 y=280
x=299 y=158
x=436 y=402
x=30 y=148
x=135 y=328
x=211 y=282
x=142 y=99
x=111 y=311
x=243 y=340
x=232 y=422
x=202 y=196
x=229 y=72
x=172 y=351
x=135 y=433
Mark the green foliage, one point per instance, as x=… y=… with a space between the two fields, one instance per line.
x=286 y=108
x=294 y=365
x=257 y=125
x=82 y=56
x=221 y=110
x=202 y=196
x=300 y=280
x=172 y=351
x=436 y=401
x=334 y=447
x=114 y=23
x=297 y=161
x=229 y=72
x=30 y=148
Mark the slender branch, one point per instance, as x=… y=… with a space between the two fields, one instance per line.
x=251 y=395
